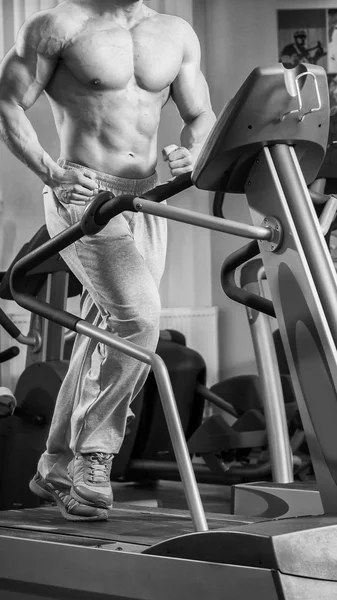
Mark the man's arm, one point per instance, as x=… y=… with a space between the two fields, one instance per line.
x=190 y=93
x=24 y=74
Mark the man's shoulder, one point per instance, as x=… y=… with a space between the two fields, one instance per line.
x=178 y=23
x=49 y=31
x=176 y=26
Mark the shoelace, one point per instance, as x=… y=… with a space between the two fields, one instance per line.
x=69 y=502
x=100 y=467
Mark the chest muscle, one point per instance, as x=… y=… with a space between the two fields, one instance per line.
x=113 y=58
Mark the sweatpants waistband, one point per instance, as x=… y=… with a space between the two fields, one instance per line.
x=112 y=183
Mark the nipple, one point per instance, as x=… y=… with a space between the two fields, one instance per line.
x=95 y=82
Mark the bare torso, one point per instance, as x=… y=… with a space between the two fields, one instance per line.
x=109 y=87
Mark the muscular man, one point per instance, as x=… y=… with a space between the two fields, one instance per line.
x=107 y=67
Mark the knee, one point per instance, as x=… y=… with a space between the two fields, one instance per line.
x=139 y=318
x=146 y=315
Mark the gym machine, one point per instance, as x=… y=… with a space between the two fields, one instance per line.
x=282 y=497
x=269 y=143
x=146 y=453
x=5 y=355
x=232 y=443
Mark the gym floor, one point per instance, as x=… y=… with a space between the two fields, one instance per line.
x=169 y=494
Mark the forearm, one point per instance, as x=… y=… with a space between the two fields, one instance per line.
x=194 y=133
x=17 y=132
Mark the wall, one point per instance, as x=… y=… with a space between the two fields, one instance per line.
x=187 y=279
x=237 y=37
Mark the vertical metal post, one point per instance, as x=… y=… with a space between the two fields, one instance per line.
x=179 y=444
x=308 y=229
x=270 y=380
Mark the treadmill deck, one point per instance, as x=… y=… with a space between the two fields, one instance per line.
x=129 y=527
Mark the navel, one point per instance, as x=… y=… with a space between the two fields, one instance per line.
x=95 y=82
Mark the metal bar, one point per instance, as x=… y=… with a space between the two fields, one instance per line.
x=319 y=101
x=69 y=336
x=328 y=214
x=53 y=333
x=273 y=400
x=179 y=444
x=316 y=190
x=307 y=225
x=114 y=341
x=207 y=394
x=170 y=410
x=27 y=340
x=237 y=293
x=200 y=220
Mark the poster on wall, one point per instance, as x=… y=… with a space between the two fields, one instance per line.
x=303 y=37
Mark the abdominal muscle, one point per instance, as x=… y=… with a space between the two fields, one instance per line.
x=111 y=131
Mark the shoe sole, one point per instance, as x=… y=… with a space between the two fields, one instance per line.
x=50 y=494
x=98 y=504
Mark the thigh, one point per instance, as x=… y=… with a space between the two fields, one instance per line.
x=108 y=264
x=116 y=275
x=150 y=235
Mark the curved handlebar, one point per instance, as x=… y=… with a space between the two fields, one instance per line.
x=106 y=211
x=9 y=353
x=8 y=325
x=169 y=188
x=236 y=293
x=97 y=214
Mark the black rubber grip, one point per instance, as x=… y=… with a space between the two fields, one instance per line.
x=218 y=202
x=36 y=257
x=236 y=293
x=9 y=353
x=8 y=325
x=111 y=208
x=170 y=188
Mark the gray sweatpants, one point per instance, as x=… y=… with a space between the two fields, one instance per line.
x=120 y=269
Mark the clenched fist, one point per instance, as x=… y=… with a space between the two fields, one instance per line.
x=179 y=159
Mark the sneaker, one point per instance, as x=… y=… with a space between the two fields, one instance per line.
x=70 y=508
x=90 y=474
